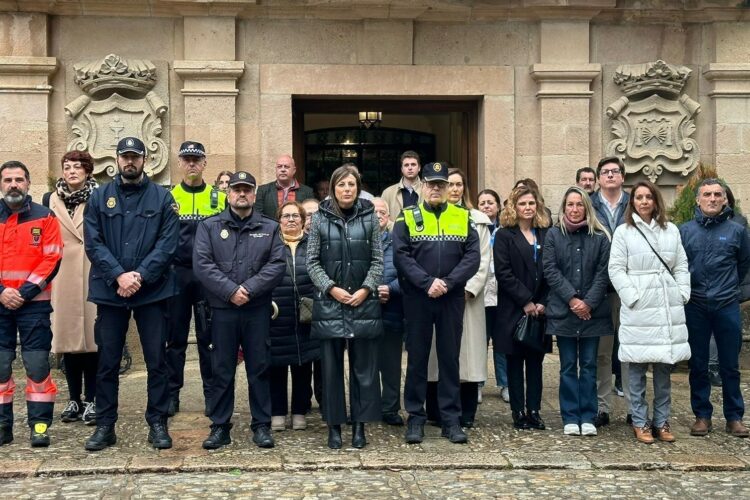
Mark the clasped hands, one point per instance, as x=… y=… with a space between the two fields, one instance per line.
x=580 y=308
x=129 y=283
x=532 y=309
x=11 y=299
x=350 y=299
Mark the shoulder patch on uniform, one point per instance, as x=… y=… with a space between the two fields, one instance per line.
x=176 y=207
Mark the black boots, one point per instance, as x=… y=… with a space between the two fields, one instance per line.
x=520 y=421
x=6 y=435
x=103 y=436
x=262 y=437
x=414 y=432
x=455 y=434
x=158 y=436
x=39 y=435
x=334 y=437
x=534 y=420
x=218 y=437
x=358 y=435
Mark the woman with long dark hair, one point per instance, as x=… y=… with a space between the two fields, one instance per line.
x=489 y=203
x=649 y=270
x=345 y=263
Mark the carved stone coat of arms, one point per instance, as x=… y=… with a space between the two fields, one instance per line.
x=653 y=123
x=120 y=102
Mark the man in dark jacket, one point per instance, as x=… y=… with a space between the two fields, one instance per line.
x=238 y=256
x=436 y=251
x=285 y=188
x=391 y=342
x=610 y=203
x=131 y=231
x=719 y=257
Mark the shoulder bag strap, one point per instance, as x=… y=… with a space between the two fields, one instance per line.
x=654 y=250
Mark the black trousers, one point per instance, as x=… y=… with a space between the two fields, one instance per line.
x=469 y=394
x=445 y=314
x=364 y=383
x=389 y=365
x=181 y=308
x=110 y=330
x=532 y=362
x=231 y=328
x=301 y=389
x=80 y=373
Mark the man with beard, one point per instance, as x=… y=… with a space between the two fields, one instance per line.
x=238 y=256
x=30 y=253
x=131 y=230
x=195 y=201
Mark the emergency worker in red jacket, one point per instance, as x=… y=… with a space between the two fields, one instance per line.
x=30 y=253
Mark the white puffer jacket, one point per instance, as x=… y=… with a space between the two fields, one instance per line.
x=652 y=317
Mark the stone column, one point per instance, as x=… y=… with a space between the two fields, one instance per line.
x=729 y=77
x=564 y=76
x=24 y=94
x=209 y=74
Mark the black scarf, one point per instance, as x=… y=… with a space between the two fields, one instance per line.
x=72 y=200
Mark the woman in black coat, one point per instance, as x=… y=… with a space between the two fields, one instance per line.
x=576 y=255
x=345 y=263
x=518 y=270
x=291 y=345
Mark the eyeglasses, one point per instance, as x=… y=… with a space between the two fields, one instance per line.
x=610 y=171
x=291 y=216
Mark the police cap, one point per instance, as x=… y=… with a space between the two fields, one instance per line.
x=131 y=145
x=435 y=172
x=192 y=148
x=238 y=178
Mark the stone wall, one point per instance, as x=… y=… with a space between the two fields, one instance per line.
x=228 y=70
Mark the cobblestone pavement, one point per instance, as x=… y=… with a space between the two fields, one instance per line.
x=494 y=447
x=357 y=484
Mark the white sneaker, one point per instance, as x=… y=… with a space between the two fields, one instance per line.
x=588 y=429
x=299 y=422
x=505 y=394
x=278 y=423
x=572 y=430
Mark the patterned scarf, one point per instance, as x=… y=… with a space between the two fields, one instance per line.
x=72 y=200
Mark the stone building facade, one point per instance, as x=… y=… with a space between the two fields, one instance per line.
x=547 y=78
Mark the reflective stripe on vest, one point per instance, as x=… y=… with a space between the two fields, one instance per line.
x=6 y=391
x=41 y=392
x=453 y=225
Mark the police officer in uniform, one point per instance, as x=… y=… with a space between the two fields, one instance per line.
x=436 y=251
x=195 y=202
x=239 y=258
x=131 y=230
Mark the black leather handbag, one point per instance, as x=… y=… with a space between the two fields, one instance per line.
x=530 y=332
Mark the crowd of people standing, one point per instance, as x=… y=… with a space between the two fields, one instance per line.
x=290 y=278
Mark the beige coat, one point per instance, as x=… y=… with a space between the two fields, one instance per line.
x=473 y=357
x=392 y=197
x=73 y=317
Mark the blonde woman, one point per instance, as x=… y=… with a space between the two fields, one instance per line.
x=576 y=254
x=518 y=252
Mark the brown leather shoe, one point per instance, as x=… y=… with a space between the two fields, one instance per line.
x=737 y=429
x=664 y=433
x=643 y=434
x=701 y=427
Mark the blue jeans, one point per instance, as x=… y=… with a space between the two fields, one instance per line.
x=578 y=400
x=726 y=326
x=498 y=358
